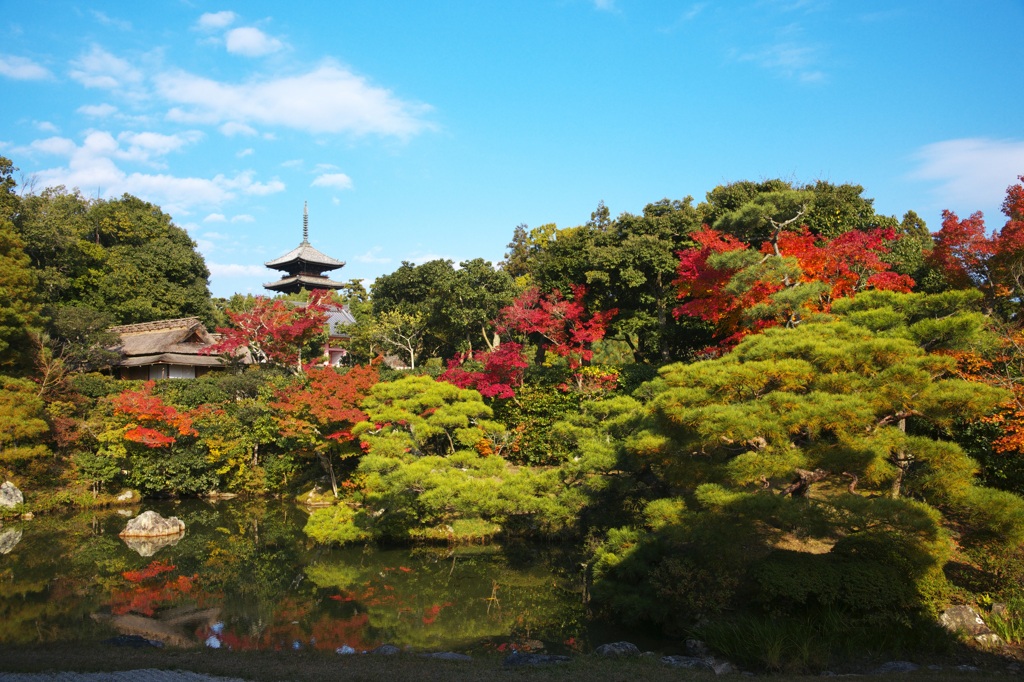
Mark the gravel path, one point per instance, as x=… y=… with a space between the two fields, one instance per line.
x=122 y=676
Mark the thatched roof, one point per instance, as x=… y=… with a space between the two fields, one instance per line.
x=175 y=342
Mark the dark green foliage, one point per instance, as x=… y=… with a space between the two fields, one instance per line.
x=122 y=256
x=532 y=414
x=758 y=446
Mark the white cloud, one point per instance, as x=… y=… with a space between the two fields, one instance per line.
x=335 y=180
x=232 y=128
x=97 y=110
x=46 y=126
x=234 y=270
x=248 y=151
x=212 y=21
x=58 y=146
x=145 y=146
x=22 y=69
x=605 y=5
x=329 y=99
x=100 y=69
x=324 y=167
x=243 y=218
x=251 y=42
x=93 y=167
x=971 y=171
x=215 y=218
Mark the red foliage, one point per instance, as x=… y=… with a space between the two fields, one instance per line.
x=275 y=330
x=326 y=402
x=502 y=371
x=848 y=263
x=153 y=421
x=563 y=324
x=967 y=256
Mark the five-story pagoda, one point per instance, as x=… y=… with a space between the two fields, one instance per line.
x=304 y=265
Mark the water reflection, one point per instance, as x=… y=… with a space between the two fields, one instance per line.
x=149 y=546
x=245 y=577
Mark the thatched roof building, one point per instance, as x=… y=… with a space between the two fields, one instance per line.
x=165 y=349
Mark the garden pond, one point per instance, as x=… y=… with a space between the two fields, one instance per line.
x=244 y=576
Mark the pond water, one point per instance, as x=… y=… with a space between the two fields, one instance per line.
x=244 y=576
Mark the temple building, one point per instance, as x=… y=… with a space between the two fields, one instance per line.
x=304 y=265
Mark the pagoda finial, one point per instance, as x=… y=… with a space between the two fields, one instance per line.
x=305 y=222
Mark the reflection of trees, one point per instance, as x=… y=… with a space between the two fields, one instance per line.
x=251 y=561
x=441 y=599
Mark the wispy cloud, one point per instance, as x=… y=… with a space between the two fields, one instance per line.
x=971 y=172
x=100 y=69
x=605 y=5
x=328 y=99
x=22 y=69
x=248 y=151
x=232 y=128
x=106 y=20
x=97 y=110
x=251 y=42
x=215 y=218
x=335 y=180
x=243 y=218
x=45 y=126
x=372 y=256
x=788 y=60
x=213 y=21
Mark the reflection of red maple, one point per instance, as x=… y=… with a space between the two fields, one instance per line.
x=146 y=594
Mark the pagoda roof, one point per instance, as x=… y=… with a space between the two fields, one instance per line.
x=303 y=281
x=305 y=253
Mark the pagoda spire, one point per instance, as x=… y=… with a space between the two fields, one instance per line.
x=305 y=222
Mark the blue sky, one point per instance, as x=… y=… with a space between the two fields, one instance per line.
x=430 y=129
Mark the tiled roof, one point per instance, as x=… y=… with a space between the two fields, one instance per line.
x=306 y=253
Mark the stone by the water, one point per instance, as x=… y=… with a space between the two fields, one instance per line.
x=516 y=659
x=149 y=524
x=689 y=662
x=895 y=667
x=618 y=650
x=964 y=620
x=386 y=650
x=10 y=496
x=448 y=656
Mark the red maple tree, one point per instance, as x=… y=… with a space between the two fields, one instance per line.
x=318 y=413
x=562 y=325
x=967 y=256
x=501 y=372
x=724 y=290
x=152 y=422
x=274 y=331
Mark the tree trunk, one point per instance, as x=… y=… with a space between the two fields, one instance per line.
x=801 y=485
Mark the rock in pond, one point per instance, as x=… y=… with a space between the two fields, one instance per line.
x=149 y=524
x=10 y=496
x=618 y=650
